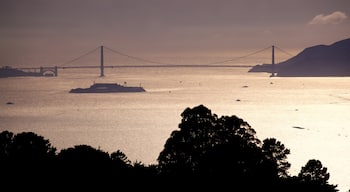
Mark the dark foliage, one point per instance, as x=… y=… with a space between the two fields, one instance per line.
x=211 y=152
x=25 y=146
x=27 y=159
x=206 y=153
x=224 y=151
x=276 y=153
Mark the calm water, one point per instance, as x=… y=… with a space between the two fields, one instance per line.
x=139 y=123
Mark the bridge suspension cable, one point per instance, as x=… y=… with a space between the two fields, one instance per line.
x=163 y=63
x=283 y=51
x=135 y=58
x=77 y=58
x=212 y=64
x=241 y=57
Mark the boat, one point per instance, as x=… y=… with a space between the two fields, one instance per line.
x=107 y=88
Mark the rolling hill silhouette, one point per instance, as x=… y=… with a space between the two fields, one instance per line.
x=315 y=61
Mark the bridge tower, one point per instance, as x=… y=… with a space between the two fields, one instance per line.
x=273 y=62
x=102 y=67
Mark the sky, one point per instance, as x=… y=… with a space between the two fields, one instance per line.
x=49 y=31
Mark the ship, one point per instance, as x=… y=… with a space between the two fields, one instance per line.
x=107 y=88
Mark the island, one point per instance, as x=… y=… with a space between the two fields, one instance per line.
x=107 y=88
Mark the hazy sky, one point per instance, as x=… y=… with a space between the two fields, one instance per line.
x=33 y=31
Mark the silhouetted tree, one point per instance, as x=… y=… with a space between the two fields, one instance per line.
x=121 y=165
x=84 y=160
x=144 y=173
x=6 y=138
x=84 y=167
x=313 y=177
x=26 y=158
x=83 y=153
x=25 y=146
x=313 y=171
x=184 y=148
x=277 y=153
x=207 y=152
x=120 y=158
x=29 y=146
x=224 y=150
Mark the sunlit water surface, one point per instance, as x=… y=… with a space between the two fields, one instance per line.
x=139 y=123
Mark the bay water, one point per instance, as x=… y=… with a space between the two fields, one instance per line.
x=309 y=115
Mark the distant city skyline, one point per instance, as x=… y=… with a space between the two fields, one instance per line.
x=40 y=31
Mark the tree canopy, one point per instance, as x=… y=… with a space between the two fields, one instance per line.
x=221 y=148
x=226 y=152
x=206 y=152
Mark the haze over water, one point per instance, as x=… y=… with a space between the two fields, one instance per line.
x=308 y=115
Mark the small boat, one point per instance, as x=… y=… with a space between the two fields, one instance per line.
x=107 y=88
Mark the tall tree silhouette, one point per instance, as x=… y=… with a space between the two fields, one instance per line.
x=5 y=145
x=83 y=160
x=184 y=148
x=26 y=158
x=28 y=146
x=224 y=150
x=277 y=153
x=314 y=171
x=315 y=176
x=25 y=146
x=84 y=167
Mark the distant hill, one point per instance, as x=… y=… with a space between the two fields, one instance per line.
x=316 y=61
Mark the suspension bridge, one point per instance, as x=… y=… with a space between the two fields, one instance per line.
x=53 y=70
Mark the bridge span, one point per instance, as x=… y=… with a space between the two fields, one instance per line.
x=53 y=71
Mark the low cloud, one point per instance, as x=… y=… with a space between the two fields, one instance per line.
x=333 y=18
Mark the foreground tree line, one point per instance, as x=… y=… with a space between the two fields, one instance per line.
x=206 y=152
